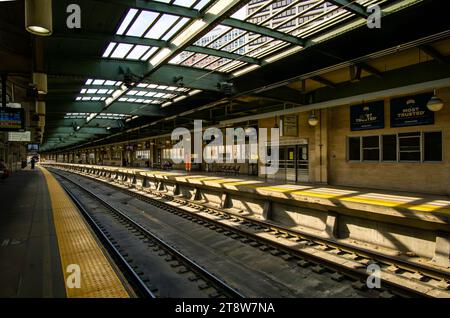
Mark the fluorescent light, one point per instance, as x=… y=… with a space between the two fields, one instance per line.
x=245 y=70
x=90 y=117
x=220 y=6
x=165 y=52
x=283 y=54
x=117 y=93
x=189 y=32
x=194 y=92
x=109 y=101
x=166 y=104
x=179 y=98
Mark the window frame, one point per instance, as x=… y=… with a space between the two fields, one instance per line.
x=380 y=142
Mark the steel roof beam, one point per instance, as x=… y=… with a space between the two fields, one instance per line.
x=104 y=39
x=156 y=7
x=54 y=107
x=254 y=28
x=433 y=53
x=62 y=89
x=323 y=81
x=193 y=14
x=224 y=54
x=115 y=70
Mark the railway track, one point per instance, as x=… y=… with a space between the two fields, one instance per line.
x=203 y=282
x=398 y=276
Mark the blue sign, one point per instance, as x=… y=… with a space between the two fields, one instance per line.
x=367 y=116
x=411 y=111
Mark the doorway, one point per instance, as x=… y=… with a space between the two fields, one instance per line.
x=294 y=163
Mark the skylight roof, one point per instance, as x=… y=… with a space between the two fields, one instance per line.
x=99 y=116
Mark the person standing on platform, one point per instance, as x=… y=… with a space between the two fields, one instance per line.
x=3 y=170
x=33 y=162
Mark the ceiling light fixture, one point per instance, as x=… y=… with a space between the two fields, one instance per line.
x=38 y=17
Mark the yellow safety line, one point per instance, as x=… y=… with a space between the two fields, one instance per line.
x=371 y=201
x=77 y=246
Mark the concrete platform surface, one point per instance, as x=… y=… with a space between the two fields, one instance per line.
x=29 y=258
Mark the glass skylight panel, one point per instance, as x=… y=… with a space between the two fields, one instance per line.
x=184 y=3
x=108 y=50
x=216 y=64
x=175 y=28
x=149 y=54
x=142 y=23
x=106 y=89
x=98 y=82
x=181 y=57
x=129 y=17
x=193 y=59
x=137 y=52
x=121 y=50
x=201 y=4
x=209 y=59
x=161 y=26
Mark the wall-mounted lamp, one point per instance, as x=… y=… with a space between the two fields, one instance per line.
x=313 y=120
x=435 y=104
x=38 y=17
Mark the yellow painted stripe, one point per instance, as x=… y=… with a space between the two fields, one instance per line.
x=78 y=246
x=371 y=201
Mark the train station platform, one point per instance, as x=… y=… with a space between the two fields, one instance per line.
x=414 y=205
x=411 y=224
x=41 y=234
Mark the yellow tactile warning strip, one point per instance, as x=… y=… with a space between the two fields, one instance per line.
x=77 y=246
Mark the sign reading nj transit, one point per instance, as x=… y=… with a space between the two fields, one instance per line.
x=367 y=116
x=411 y=111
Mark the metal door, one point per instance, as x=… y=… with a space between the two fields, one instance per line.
x=302 y=163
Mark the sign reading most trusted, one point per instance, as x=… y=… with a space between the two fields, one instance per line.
x=367 y=116
x=411 y=111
